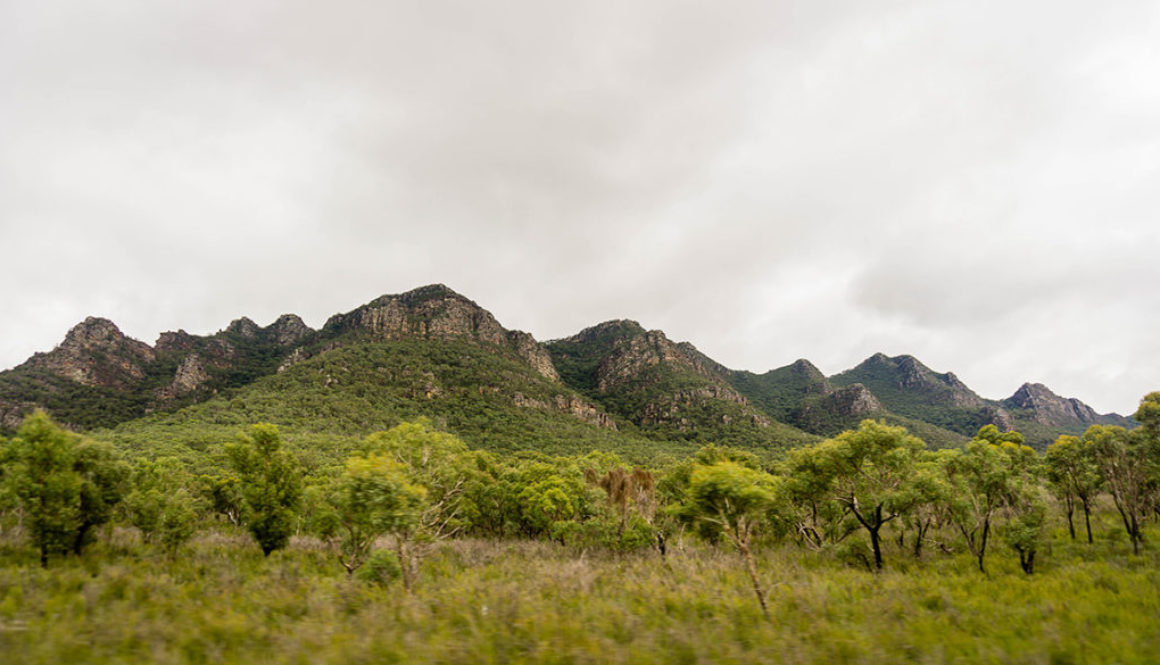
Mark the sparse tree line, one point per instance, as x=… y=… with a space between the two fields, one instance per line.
x=863 y=495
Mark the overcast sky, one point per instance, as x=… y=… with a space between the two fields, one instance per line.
x=973 y=183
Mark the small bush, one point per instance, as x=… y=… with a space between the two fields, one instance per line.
x=382 y=568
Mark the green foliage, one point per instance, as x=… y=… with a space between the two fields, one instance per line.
x=162 y=504
x=271 y=485
x=373 y=497
x=382 y=567
x=994 y=471
x=66 y=485
x=1072 y=471
x=731 y=498
x=327 y=404
x=1129 y=468
x=868 y=473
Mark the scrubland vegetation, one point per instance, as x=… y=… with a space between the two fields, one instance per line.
x=411 y=546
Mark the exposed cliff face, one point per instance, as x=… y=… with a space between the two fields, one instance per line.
x=96 y=353
x=431 y=311
x=1047 y=408
x=854 y=401
x=532 y=351
x=907 y=374
x=437 y=312
x=570 y=404
x=662 y=386
x=288 y=330
x=190 y=376
x=633 y=357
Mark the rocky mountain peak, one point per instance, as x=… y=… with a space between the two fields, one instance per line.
x=93 y=331
x=614 y=329
x=288 y=329
x=806 y=370
x=244 y=327
x=174 y=341
x=1050 y=409
x=96 y=352
x=854 y=400
x=436 y=312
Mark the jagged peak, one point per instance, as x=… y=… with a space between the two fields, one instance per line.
x=287 y=320
x=612 y=328
x=288 y=329
x=1029 y=392
x=94 y=329
x=803 y=367
x=244 y=327
x=421 y=295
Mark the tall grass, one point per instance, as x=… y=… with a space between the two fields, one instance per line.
x=220 y=601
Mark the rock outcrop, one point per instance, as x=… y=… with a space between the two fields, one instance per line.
x=1047 y=408
x=190 y=376
x=96 y=353
x=437 y=312
x=288 y=330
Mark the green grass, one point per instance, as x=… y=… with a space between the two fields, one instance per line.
x=220 y=601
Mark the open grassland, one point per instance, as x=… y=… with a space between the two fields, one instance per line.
x=220 y=601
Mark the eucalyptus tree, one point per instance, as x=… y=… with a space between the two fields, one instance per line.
x=270 y=481
x=1127 y=469
x=372 y=498
x=868 y=472
x=930 y=493
x=1074 y=475
x=733 y=501
x=66 y=486
x=449 y=475
x=161 y=504
x=984 y=477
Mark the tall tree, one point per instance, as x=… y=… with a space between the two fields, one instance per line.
x=1074 y=475
x=373 y=498
x=1126 y=468
x=982 y=478
x=271 y=485
x=870 y=473
x=446 y=470
x=66 y=485
x=735 y=501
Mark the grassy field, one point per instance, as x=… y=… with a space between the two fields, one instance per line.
x=220 y=601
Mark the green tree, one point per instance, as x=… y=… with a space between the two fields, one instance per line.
x=735 y=501
x=1074 y=475
x=271 y=485
x=449 y=475
x=65 y=485
x=104 y=481
x=373 y=498
x=1126 y=469
x=161 y=504
x=930 y=492
x=982 y=477
x=869 y=473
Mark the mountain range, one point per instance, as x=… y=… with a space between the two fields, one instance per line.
x=433 y=352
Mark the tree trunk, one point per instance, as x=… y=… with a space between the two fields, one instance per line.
x=1087 y=519
x=874 y=542
x=744 y=547
x=1027 y=560
x=983 y=544
x=404 y=564
x=1070 y=510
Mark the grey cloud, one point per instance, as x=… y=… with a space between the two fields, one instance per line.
x=768 y=180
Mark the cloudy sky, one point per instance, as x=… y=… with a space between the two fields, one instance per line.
x=973 y=183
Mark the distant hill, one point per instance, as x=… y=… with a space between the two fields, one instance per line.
x=908 y=388
x=433 y=352
x=669 y=391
